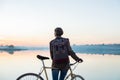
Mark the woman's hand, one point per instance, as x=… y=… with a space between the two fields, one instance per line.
x=80 y=60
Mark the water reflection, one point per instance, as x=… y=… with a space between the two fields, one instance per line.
x=94 y=67
x=11 y=48
x=9 y=51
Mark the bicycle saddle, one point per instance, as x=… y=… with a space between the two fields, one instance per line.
x=42 y=57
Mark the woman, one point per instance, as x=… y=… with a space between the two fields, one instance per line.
x=60 y=50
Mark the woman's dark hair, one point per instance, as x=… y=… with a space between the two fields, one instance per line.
x=58 y=31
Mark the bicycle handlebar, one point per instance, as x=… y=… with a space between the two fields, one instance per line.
x=74 y=63
x=44 y=58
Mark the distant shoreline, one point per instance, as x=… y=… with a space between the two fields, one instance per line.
x=88 y=49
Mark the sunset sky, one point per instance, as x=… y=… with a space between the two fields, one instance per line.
x=32 y=22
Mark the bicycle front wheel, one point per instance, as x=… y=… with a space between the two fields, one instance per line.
x=30 y=76
x=77 y=77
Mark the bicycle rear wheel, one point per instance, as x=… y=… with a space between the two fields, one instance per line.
x=77 y=77
x=30 y=76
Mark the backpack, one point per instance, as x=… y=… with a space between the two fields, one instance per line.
x=60 y=51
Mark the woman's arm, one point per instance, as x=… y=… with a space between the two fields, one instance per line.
x=51 y=51
x=72 y=53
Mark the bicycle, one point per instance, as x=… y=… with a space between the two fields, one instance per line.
x=34 y=76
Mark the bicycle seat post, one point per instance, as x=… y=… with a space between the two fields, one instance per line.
x=44 y=68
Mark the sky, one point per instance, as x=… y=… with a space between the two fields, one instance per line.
x=32 y=22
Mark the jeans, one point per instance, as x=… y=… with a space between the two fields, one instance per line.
x=57 y=72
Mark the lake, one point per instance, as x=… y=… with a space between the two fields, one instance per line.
x=94 y=67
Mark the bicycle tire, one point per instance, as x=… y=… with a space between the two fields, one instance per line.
x=29 y=76
x=77 y=77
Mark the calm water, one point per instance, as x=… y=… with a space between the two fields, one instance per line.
x=94 y=67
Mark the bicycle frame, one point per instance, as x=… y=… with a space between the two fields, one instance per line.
x=43 y=69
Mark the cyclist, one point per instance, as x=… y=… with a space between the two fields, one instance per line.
x=60 y=50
